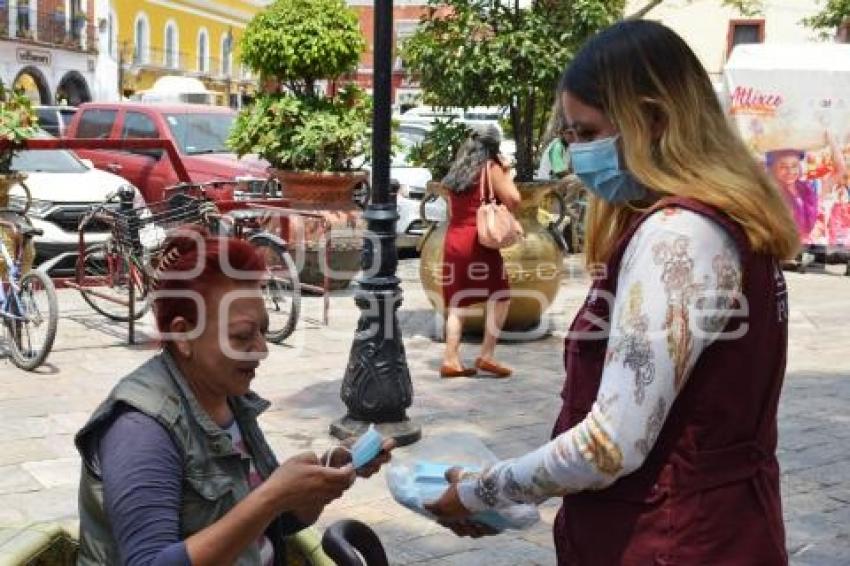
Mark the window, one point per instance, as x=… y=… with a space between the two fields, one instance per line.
x=201 y=133
x=403 y=30
x=142 y=40
x=172 y=57
x=48 y=120
x=226 y=54
x=138 y=125
x=112 y=40
x=77 y=17
x=744 y=31
x=203 y=51
x=24 y=25
x=96 y=124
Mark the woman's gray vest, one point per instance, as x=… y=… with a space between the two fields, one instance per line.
x=215 y=474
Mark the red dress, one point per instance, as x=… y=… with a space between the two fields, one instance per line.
x=471 y=272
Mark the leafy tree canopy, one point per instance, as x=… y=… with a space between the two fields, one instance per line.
x=495 y=53
x=302 y=41
x=830 y=18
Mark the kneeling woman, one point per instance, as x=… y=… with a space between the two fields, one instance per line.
x=175 y=468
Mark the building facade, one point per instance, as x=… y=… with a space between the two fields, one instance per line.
x=49 y=48
x=406 y=15
x=712 y=30
x=150 y=39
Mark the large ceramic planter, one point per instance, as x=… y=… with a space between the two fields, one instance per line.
x=331 y=196
x=534 y=265
x=6 y=184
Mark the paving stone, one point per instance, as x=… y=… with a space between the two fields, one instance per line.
x=55 y=473
x=39 y=413
x=15 y=479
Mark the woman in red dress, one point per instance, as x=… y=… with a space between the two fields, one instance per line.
x=473 y=273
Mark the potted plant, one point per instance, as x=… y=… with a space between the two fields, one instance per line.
x=17 y=124
x=315 y=142
x=295 y=44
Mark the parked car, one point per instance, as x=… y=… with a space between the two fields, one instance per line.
x=55 y=119
x=416 y=130
x=412 y=183
x=198 y=132
x=63 y=188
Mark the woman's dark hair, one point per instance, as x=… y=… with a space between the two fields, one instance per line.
x=481 y=146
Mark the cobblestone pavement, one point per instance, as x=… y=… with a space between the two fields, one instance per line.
x=39 y=414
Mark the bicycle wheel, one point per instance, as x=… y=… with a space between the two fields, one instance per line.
x=281 y=290
x=104 y=276
x=35 y=329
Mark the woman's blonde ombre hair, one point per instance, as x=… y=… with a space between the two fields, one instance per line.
x=676 y=139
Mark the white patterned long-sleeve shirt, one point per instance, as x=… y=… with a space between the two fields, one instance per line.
x=678 y=280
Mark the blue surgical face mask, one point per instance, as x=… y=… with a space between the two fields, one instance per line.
x=366 y=448
x=597 y=164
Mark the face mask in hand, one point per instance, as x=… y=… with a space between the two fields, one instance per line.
x=366 y=448
x=597 y=164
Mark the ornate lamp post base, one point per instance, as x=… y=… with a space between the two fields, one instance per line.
x=404 y=432
x=377 y=386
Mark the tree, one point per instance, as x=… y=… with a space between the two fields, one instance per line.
x=296 y=43
x=301 y=41
x=492 y=53
x=833 y=15
x=485 y=53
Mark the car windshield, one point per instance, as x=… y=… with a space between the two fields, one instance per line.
x=200 y=133
x=47 y=161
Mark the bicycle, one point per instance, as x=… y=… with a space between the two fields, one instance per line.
x=25 y=299
x=115 y=276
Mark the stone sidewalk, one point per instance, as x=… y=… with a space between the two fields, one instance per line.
x=39 y=413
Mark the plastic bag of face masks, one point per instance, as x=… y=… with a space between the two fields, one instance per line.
x=416 y=476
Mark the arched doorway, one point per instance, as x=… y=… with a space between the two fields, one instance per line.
x=73 y=89
x=34 y=85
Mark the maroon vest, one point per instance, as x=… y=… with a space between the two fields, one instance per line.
x=708 y=492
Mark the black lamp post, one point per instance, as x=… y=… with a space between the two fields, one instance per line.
x=377 y=387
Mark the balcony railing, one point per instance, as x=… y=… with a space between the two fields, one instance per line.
x=178 y=62
x=50 y=27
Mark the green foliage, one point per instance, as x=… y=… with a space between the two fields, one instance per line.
x=302 y=41
x=17 y=123
x=439 y=147
x=483 y=53
x=830 y=18
x=306 y=132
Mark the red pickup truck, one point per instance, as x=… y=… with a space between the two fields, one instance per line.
x=198 y=132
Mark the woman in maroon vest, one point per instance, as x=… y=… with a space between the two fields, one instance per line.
x=664 y=451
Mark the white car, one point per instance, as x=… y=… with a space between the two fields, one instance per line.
x=412 y=182
x=63 y=188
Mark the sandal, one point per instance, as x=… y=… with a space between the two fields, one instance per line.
x=447 y=372
x=489 y=366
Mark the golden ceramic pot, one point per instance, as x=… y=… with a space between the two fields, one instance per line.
x=534 y=265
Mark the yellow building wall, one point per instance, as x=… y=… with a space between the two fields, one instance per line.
x=217 y=17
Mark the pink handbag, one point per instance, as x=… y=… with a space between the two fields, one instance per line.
x=497 y=227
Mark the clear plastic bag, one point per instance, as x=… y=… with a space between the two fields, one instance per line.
x=416 y=476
